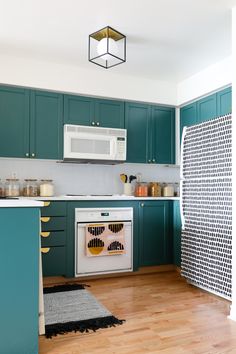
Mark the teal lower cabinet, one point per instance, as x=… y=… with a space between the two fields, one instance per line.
x=176 y=234
x=19 y=257
x=54 y=238
x=155 y=233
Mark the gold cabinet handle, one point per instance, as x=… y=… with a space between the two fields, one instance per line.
x=46 y=204
x=45 y=234
x=45 y=219
x=45 y=249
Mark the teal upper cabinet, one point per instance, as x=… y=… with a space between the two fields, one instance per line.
x=188 y=116
x=78 y=110
x=163 y=135
x=206 y=108
x=137 y=122
x=90 y=111
x=31 y=123
x=154 y=233
x=151 y=133
x=14 y=116
x=224 y=101
x=110 y=113
x=209 y=107
x=46 y=125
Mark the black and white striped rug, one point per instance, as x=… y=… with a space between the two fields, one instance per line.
x=71 y=308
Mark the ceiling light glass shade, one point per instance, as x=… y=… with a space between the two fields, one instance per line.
x=107 y=47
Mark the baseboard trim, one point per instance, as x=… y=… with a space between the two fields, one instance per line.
x=48 y=281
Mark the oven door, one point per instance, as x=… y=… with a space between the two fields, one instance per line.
x=103 y=252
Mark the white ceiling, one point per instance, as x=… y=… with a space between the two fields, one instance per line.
x=166 y=39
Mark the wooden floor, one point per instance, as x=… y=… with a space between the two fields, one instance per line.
x=163 y=315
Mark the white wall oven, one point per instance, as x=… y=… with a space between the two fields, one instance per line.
x=103 y=240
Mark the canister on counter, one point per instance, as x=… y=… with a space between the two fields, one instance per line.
x=46 y=188
x=2 y=191
x=12 y=187
x=168 y=190
x=141 y=190
x=30 y=188
x=154 y=189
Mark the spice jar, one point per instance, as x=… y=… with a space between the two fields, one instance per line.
x=46 y=188
x=167 y=190
x=2 y=192
x=12 y=187
x=154 y=189
x=176 y=187
x=30 y=188
x=141 y=190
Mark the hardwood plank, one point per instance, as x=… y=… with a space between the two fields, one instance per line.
x=163 y=315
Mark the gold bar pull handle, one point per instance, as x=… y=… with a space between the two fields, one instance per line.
x=46 y=204
x=45 y=219
x=45 y=234
x=45 y=249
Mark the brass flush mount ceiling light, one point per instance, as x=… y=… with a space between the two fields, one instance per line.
x=107 y=47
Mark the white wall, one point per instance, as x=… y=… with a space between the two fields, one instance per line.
x=75 y=79
x=208 y=80
x=72 y=178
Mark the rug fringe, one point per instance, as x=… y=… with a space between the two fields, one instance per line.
x=82 y=326
x=64 y=287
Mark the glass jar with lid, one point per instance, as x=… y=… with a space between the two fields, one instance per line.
x=12 y=187
x=30 y=188
x=141 y=189
x=46 y=188
x=168 y=190
x=154 y=189
x=2 y=191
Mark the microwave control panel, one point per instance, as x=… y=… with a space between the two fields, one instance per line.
x=121 y=148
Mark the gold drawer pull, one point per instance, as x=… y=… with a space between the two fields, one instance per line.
x=45 y=234
x=46 y=204
x=45 y=249
x=45 y=219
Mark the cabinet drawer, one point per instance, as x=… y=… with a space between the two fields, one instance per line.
x=53 y=208
x=53 y=238
x=53 y=223
x=53 y=261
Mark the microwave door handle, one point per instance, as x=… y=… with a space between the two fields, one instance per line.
x=113 y=147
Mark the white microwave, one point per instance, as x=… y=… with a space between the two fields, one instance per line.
x=92 y=144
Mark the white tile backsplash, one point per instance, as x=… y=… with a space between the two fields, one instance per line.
x=71 y=178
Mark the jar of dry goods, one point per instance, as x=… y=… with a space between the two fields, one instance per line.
x=154 y=189
x=141 y=190
x=168 y=190
x=12 y=187
x=2 y=192
x=30 y=188
x=46 y=188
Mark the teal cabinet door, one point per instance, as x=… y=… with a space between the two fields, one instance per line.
x=79 y=110
x=14 y=116
x=224 y=101
x=154 y=223
x=46 y=126
x=137 y=123
x=188 y=116
x=19 y=273
x=176 y=234
x=206 y=108
x=163 y=132
x=110 y=113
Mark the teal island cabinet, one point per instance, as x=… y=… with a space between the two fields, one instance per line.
x=19 y=260
x=176 y=234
